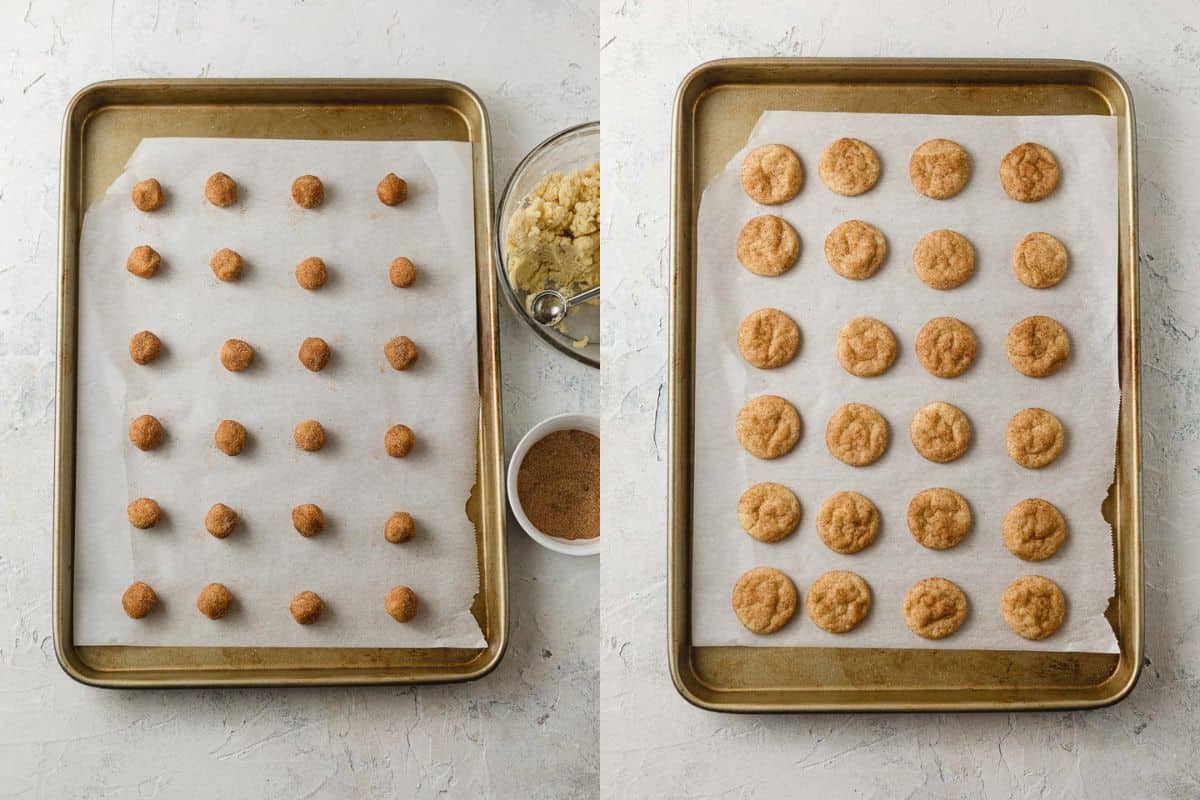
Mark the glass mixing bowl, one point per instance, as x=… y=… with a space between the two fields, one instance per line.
x=565 y=151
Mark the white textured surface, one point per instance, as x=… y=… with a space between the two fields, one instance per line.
x=528 y=729
x=653 y=743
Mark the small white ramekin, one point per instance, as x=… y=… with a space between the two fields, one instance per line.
x=562 y=422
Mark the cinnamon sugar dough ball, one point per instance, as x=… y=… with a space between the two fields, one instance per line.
x=401 y=352
x=402 y=272
x=314 y=353
x=230 y=437
x=147 y=195
x=311 y=273
x=308 y=191
x=306 y=607
x=309 y=435
x=308 y=519
x=146 y=432
x=143 y=261
x=227 y=264
x=400 y=527
x=143 y=513
x=237 y=355
x=214 y=600
x=401 y=603
x=221 y=190
x=392 y=190
x=220 y=520
x=144 y=347
x=139 y=600
x=399 y=441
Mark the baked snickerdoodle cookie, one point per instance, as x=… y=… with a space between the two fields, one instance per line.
x=1040 y=260
x=855 y=249
x=144 y=347
x=764 y=599
x=230 y=437
x=772 y=174
x=400 y=527
x=309 y=435
x=308 y=191
x=934 y=608
x=147 y=195
x=214 y=601
x=399 y=441
x=768 y=245
x=1037 y=346
x=402 y=273
x=237 y=355
x=939 y=518
x=221 y=190
x=401 y=353
x=146 y=432
x=314 y=353
x=946 y=347
x=306 y=607
x=220 y=521
x=308 y=519
x=1029 y=172
x=768 y=426
x=940 y=432
x=392 y=190
x=866 y=347
x=143 y=513
x=227 y=264
x=944 y=259
x=1035 y=438
x=768 y=512
x=939 y=168
x=1033 y=606
x=143 y=261
x=838 y=600
x=768 y=338
x=857 y=435
x=138 y=600
x=849 y=167
x=1034 y=530
x=401 y=603
x=311 y=273
x=847 y=522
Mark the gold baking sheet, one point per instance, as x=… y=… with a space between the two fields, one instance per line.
x=102 y=127
x=716 y=106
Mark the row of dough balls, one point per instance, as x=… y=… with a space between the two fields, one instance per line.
x=222 y=191
x=768 y=427
x=765 y=599
x=307 y=518
x=938 y=518
x=215 y=601
x=944 y=259
x=231 y=437
x=938 y=168
x=1037 y=346
x=237 y=355
x=228 y=265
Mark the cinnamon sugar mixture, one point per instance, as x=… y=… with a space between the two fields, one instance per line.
x=558 y=485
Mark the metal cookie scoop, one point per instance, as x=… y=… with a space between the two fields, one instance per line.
x=549 y=307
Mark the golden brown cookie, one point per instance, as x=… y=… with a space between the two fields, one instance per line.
x=308 y=191
x=866 y=347
x=940 y=432
x=944 y=259
x=855 y=249
x=401 y=352
x=838 y=600
x=392 y=190
x=237 y=355
x=138 y=600
x=314 y=353
x=772 y=174
x=764 y=599
x=1029 y=172
x=308 y=519
x=221 y=190
x=768 y=511
x=144 y=347
x=143 y=513
x=934 y=608
x=311 y=273
x=402 y=273
x=143 y=261
x=227 y=264
x=1034 y=530
x=146 y=432
x=768 y=426
x=857 y=435
x=1037 y=346
x=768 y=245
x=214 y=600
x=768 y=338
x=221 y=520
x=847 y=522
x=306 y=607
x=1033 y=606
x=946 y=347
x=1034 y=438
x=147 y=195
x=309 y=435
x=401 y=603
x=939 y=168
x=230 y=437
x=849 y=167
x=400 y=527
x=1040 y=261
x=939 y=518
x=399 y=441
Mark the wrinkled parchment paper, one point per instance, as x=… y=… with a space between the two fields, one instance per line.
x=357 y=396
x=1082 y=213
